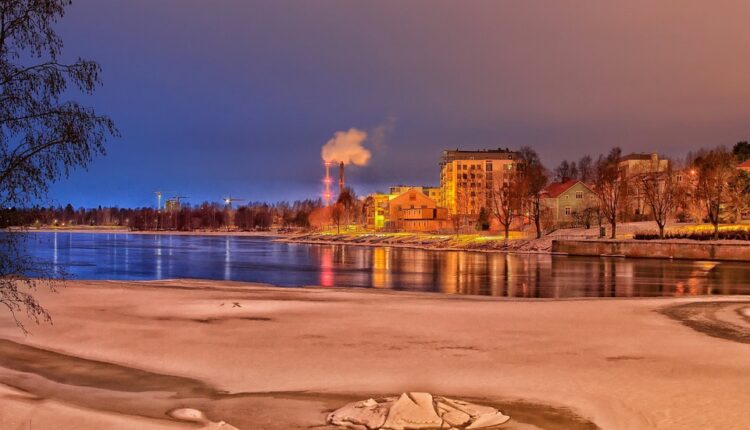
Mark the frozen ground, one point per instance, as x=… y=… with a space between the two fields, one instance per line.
x=122 y=355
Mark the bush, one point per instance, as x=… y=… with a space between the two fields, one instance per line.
x=698 y=233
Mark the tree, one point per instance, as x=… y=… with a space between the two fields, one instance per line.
x=741 y=151
x=505 y=199
x=42 y=136
x=348 y=202
x=715 y=170
x=337 y=213
x=585 y=169
x=566 y=170
x=609 y=186
x=533 y=180
x=662 y=194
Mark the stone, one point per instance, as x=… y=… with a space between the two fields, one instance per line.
x=488 y=421
x=416 y=411
x=367 y=414
x=413 y=411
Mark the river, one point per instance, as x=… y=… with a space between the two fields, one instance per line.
x=258 y=259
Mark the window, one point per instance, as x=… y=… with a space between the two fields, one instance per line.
x=579 y=195
x=567 y=210
x=488 y=166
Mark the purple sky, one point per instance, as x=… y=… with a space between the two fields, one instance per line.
x=237 y=97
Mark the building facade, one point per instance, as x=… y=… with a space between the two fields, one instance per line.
x=569 y=203
x=631 y=166
x=467 y=178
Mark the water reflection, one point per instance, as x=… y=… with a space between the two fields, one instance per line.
x=104 y=256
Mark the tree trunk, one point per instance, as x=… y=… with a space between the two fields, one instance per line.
x=716 y=229
x=507 y=231
x=661 y=231
x=613 y=223
x=537 y=223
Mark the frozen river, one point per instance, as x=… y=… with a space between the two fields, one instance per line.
x=254 y=259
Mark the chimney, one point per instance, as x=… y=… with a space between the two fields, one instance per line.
x=341 y=177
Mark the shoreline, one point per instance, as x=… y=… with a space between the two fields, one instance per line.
x=122 y=354
x=151 y=232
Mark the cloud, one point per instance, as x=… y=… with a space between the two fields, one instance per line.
x=346 y=147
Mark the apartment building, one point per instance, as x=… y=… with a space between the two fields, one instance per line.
x=467 y=178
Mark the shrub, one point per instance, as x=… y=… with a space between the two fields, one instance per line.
x=698 y=233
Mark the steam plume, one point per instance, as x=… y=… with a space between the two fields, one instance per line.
x=346 y=147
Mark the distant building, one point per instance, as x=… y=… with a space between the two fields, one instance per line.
x=568 y=203
x=172 y=205
x=466 y=178
x=376 y=211
x=631 y=166
x=431 y=192
x=414 y=211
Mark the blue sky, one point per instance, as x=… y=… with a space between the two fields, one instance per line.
x=237 y=97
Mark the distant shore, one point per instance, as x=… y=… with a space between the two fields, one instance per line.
x=124 y=354
x=117 y=230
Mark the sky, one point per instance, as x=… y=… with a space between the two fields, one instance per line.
x=237 y=97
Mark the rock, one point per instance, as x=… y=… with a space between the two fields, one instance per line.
x=487 y=421
x=454 y=417
x=416 y=411
x=413 y=411
x=367 y=414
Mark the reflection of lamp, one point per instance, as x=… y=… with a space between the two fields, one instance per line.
x=326 y=268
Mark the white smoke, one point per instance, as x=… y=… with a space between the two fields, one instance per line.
x=346 y=147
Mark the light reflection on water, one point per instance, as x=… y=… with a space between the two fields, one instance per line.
x=138 y=257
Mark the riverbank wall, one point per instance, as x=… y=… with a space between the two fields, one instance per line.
x=676 y=249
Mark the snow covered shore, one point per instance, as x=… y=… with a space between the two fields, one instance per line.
x=122 y=355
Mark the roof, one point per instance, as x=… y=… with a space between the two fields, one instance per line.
x=745 y=165
x=554 y=189
x=481 y=154
x=641 y=156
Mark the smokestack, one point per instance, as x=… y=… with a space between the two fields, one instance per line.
x=341 y=177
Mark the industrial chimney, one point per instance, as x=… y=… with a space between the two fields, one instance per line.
x=341 y=177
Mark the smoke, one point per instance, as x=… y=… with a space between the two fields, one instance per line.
x=346 y=147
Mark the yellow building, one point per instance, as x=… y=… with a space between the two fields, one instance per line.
x=376 y=211
x=467 y=177
x=431 y=192
x=414 y=211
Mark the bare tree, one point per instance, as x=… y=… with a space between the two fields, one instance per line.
x=505 y=199
x=662 y=194
x=337 y=215
x=42 y=136
x=715 y=170
x=534 y=179
x=609 y=187
x=566 y=170
x=586 y=169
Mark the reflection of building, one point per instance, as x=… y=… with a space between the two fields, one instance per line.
x=466 y=178
x=569 y=202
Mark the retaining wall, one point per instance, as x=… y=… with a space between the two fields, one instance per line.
x=689 y=250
